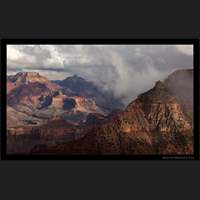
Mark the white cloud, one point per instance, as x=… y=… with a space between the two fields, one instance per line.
x=186 y=49
x=127 y=70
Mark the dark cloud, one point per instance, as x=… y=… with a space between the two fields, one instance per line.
x=127 y=70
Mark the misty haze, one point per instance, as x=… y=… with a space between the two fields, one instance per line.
x=125 y=70
x=100 y=99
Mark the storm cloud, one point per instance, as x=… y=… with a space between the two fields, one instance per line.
x=126 y=70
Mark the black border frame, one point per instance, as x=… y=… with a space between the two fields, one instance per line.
x=5 y=42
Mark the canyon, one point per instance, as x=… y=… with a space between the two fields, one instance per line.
x=74 y=116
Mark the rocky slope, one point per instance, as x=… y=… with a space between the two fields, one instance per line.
x=156 y=122
x=36 y=99
x=180 y=84
x=22 y=78
x=78 y=86
x=65 y=118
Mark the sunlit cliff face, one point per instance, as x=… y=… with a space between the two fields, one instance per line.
x=158 y=121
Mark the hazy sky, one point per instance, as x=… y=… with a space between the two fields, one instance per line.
x=127 y=70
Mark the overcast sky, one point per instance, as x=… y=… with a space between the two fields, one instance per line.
x=126 y=70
